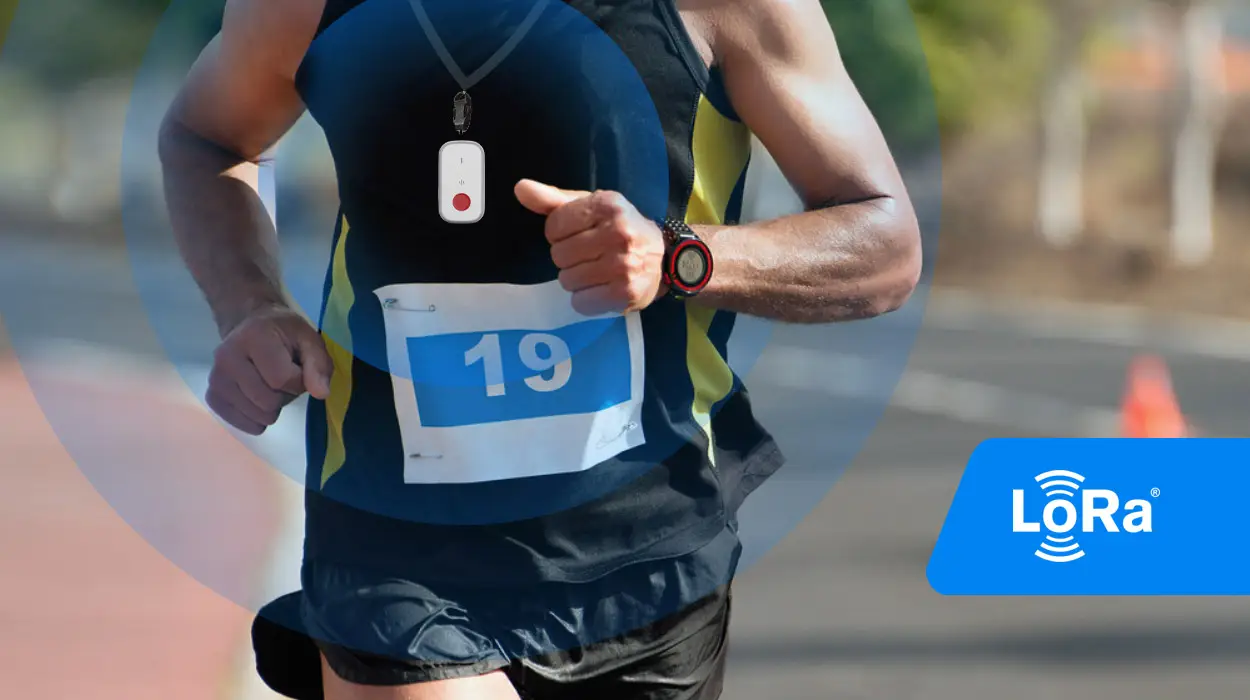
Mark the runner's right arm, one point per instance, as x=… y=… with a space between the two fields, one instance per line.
x=238 y=100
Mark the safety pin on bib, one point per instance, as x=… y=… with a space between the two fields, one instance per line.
x=394 y=304
x=608 y=440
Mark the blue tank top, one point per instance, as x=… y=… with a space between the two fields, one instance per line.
x=476 y=430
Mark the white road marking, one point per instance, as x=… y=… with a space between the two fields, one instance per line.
x=96 y=364
x=929 y=393
x=1120 y=326
x=837 y=374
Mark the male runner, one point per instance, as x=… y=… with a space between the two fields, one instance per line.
x=459 y=556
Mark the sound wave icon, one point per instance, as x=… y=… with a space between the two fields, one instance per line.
x=1054 y=484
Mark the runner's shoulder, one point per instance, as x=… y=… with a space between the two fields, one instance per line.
x=270 y=34
x=241 y=92
x=751 y=26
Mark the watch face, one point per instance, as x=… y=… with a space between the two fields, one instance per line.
x=691 y=266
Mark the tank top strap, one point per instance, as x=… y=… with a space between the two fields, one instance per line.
x=333 y=10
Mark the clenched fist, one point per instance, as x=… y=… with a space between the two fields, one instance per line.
x=264 y=363
x=610 y=256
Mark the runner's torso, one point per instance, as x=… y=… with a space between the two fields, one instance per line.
x=563 y=475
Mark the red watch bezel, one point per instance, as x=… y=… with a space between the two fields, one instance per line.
x=670 y=271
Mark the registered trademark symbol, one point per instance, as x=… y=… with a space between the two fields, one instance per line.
x=1154 y=493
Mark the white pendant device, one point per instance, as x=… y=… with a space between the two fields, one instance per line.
x=461 y=182
x=462 y=163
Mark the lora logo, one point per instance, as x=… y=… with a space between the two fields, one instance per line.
x=1064 y=511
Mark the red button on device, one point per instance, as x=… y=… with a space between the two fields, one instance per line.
x=460 y=201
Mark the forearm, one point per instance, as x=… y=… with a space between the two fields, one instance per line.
x=225 y=235
x=839 y=263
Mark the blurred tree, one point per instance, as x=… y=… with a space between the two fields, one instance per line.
x=879 y=44
x=985 y=57
x=925 y=67
x=7 y=9
x=1196 y=30
x=64 y=43
x=944 y=63
x=977 y=54
x=62 y=47
x=1061 y=191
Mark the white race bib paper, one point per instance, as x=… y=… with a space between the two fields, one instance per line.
x=503 y=381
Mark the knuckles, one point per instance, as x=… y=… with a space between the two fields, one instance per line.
x=626 y=249
x=622 y=234
x=223 y=361
x=620 y=266
x=564 y=256
x=624 y=293
x=225 y=353
x=608 y=204
x=621 y=230
x=271 y=403
x=212 y=397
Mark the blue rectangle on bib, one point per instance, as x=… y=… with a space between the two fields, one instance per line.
x=474 y=378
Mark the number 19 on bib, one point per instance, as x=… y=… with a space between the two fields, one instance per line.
x=472 y=378
x=501 y=381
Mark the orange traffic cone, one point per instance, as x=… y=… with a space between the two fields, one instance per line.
x=1150 y=408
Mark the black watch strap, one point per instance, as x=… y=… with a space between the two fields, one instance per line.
x=674 y=230
x=684 y=247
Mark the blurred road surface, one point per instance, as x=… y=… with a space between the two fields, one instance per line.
x=840 y=610
x=89 y=609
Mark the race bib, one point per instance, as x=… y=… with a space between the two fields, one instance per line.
x=503 y=381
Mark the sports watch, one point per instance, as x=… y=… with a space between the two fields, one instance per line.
x=687 y=260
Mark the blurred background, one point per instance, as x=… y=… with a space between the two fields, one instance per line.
x=1087 y=163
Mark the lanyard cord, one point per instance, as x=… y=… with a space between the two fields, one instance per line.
x=468 y=81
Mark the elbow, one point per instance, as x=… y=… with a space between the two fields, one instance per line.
x=900 y=274
x=179 y=146
x=889 y=270
x=888 y=273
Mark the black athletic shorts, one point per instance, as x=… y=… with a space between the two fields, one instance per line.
x=630 y=635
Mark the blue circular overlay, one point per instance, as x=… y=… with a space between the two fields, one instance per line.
x=572 y=79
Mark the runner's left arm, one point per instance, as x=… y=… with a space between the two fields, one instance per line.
x=856 y=252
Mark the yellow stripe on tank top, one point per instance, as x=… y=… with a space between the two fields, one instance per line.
x=338 y=338
x=720 y=147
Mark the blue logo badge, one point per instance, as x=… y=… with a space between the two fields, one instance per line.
x=1097 y=517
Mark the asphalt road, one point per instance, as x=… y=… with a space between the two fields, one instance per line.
x=840 y=609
